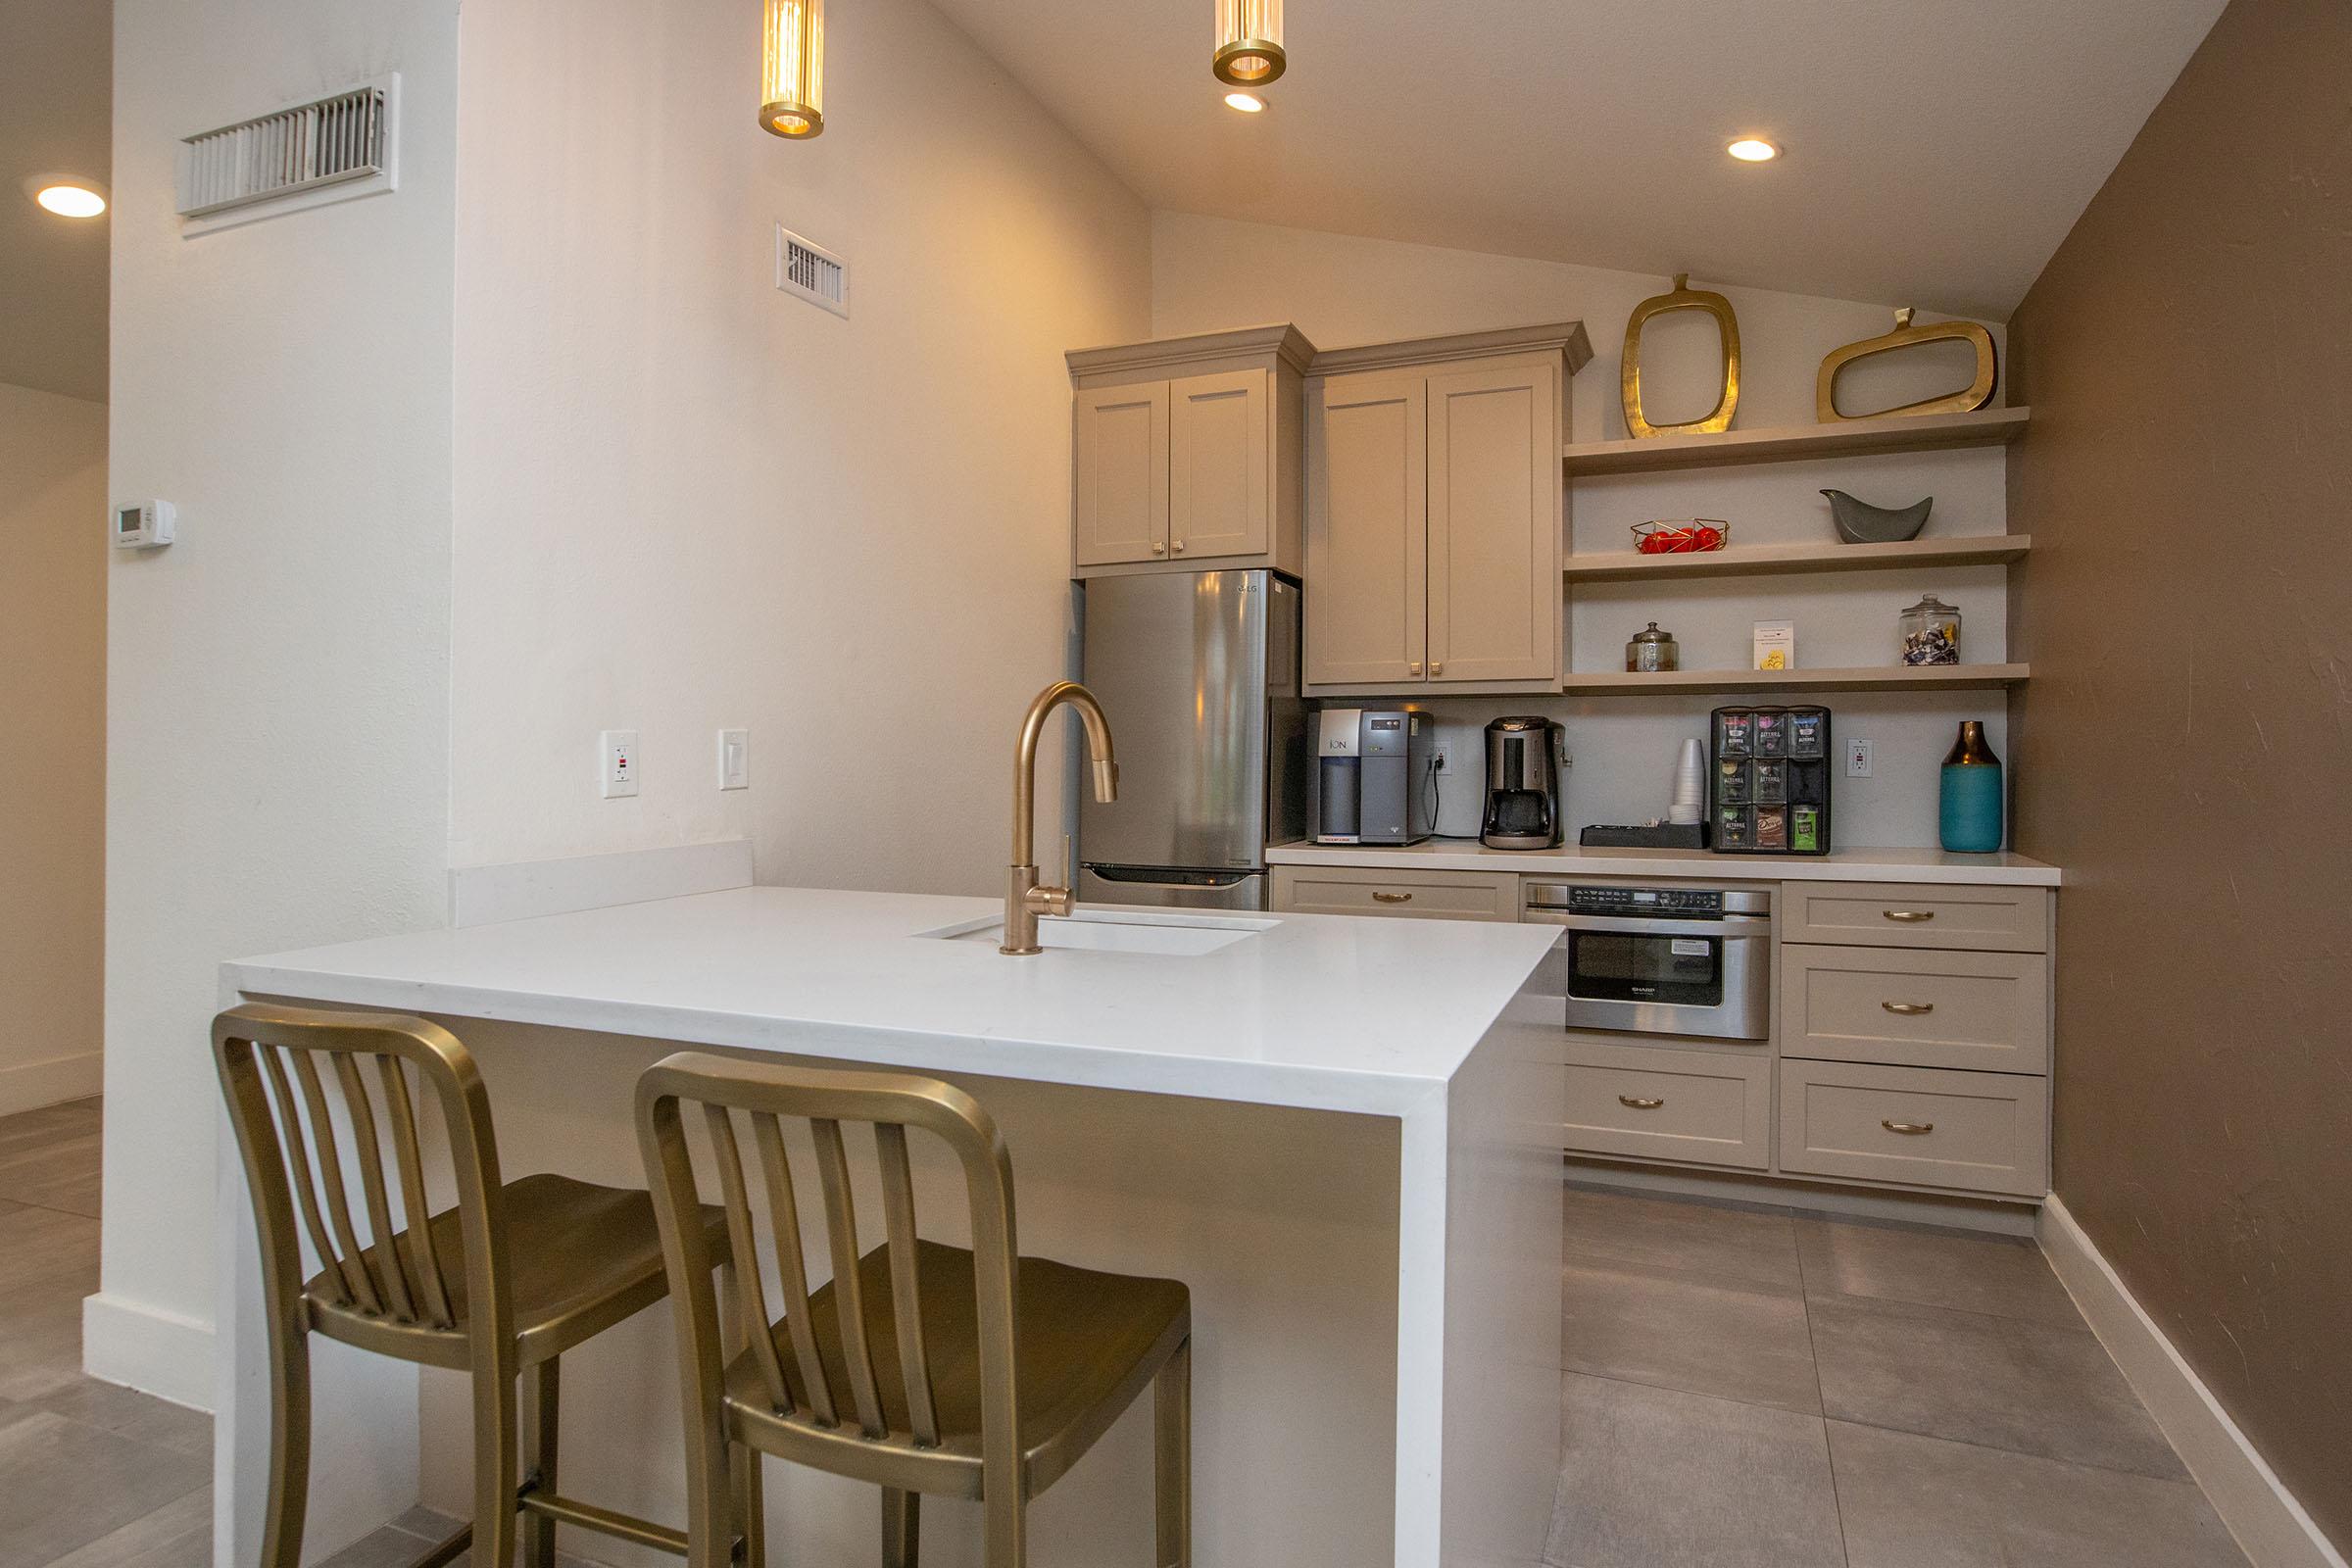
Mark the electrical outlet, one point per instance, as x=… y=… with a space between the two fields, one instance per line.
x=1437 y=759
x=734 y=759
x=1857 y=758
x=616 y=764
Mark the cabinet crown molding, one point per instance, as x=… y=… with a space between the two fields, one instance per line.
x=1173 y=354
x=1564 y=337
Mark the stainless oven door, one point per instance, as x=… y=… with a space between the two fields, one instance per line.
x=1710 y=978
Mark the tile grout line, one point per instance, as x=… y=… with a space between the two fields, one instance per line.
x=1828 y=1450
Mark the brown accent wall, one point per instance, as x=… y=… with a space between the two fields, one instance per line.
x=2186 y=748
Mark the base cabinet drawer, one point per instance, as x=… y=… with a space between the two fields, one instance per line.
x=1983 y=1132
x=1653 y=1103
x=1978 y=1011
x=1372 y=890
x=1892 y=915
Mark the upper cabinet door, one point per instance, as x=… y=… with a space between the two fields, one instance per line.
x=1220 y=462
x=1122 y=462
x=1495 y=485
x=1366 y=532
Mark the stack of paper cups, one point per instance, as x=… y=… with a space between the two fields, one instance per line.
x=1689 y=784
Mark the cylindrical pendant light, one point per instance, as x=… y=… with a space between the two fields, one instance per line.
x=792 y=85
x=1249 y=43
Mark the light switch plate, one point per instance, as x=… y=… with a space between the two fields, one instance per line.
x=734 y=759
x=616 y=764
x=1857 y=758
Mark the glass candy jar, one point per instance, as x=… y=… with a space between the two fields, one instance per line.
x=1931 y=631
x=1651 y=651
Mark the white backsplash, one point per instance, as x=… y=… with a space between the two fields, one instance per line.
x=1622 y=752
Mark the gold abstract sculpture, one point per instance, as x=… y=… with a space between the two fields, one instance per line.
x=1682 y=298
x=1979 y=393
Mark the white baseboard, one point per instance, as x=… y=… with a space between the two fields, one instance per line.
x=31 y=1085
x=524 y=890
x=2269 y=1525
x=149 y=1349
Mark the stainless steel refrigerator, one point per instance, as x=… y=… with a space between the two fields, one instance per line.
x=1199 y=675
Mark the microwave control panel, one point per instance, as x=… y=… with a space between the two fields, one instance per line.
x=1680 y=903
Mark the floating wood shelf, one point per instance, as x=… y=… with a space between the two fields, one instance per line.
x=1891 y=677
x=1918 y=432
x=1770 y=560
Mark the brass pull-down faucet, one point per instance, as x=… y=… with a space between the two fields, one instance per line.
x=1024 y=898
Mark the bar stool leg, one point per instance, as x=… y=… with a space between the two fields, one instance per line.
x=1172 y=1468
x=289 y=1443
x=902 y=1528
x=751 y=1504
x=542 y=1391
x=495 y=1442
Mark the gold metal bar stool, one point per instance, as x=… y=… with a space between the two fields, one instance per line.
x=919 y=1367
x=500 y=1286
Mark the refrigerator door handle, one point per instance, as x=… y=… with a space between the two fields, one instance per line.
x=1214 y=880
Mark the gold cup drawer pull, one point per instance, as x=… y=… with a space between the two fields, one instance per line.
x=1909 y=1009
x=1640 y=1101
x=1909 y=917
x=1909 y=1129
x=1391 y=897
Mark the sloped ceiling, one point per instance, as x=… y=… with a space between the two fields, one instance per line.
x=1936 y=153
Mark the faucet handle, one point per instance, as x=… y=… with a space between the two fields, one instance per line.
x=1069 y=863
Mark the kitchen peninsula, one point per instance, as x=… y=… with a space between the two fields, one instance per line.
x=1341 y=1133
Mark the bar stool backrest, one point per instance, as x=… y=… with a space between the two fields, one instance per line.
x=296 y=1083
x=794 y=1372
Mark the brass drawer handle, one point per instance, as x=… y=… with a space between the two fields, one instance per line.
x=1639 y=1101
x=1909 y=1009
x=1413 y=668
x=1180 y=547
x=1909 y=1129
x=1436 y=667
x=1909 y=917
x=1392 y=897
x=1160 y=549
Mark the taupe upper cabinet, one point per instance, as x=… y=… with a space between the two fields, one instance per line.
x=1436 y=512
x=1189 y=453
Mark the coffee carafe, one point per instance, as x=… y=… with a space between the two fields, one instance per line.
x=1526 y=760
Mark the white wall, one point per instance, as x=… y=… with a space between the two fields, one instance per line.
x=279 y=711
x=1210 y=273
x=53 y=690
x=687 y=501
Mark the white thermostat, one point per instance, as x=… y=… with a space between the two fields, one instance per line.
x=141 y=525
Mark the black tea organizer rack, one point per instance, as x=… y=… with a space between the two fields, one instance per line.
x=1768 y=785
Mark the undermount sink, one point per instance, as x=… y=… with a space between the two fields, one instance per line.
x=1167 y=936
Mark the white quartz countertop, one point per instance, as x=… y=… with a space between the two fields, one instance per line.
x=1838 y=866
x=1322 y=1011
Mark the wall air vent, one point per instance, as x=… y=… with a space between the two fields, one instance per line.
x=327 y=150
x=814 y=273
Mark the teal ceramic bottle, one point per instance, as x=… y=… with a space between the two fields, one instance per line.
x=1972 y=797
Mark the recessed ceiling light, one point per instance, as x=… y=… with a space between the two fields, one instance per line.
x=1249 y=103
x=1751 y=150
x=71 y=201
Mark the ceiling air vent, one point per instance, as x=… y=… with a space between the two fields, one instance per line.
x=327 y=150
x=814 y=273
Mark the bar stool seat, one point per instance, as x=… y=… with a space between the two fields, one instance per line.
x=1086 y=1342
x=580 y=1258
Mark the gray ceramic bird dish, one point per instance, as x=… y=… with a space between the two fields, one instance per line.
x=1861 y=523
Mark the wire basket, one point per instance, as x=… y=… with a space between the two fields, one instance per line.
x=1685 y=537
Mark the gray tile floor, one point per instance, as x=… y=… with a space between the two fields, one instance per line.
x=1750 y=1388
x=1744 y=1389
